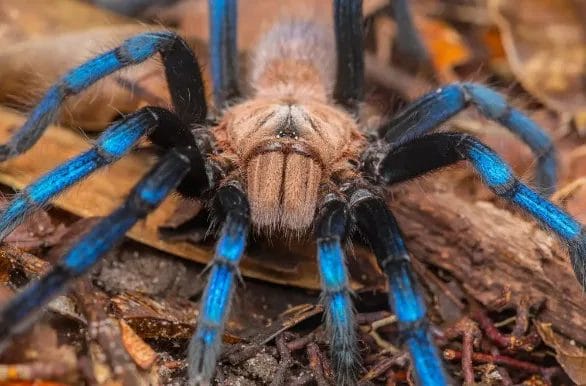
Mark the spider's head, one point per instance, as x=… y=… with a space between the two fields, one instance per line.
x=287 y=148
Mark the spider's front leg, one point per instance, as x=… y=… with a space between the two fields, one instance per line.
x=433 y=109
x=163 y=178
x=380 y=229
x=231 y=205
x=181 y=70
x=116 y=141
x=438 y=150
x=331 y=226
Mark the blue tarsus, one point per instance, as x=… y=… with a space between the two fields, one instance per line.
x=115 y=142
x=431 y=110
x=162 y=179
x=408 y=305
x=205 y=345
x=133 y=51
x=338 y=305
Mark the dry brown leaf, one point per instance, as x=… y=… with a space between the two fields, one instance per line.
x=570 y=356
x=545 y=42
x=142 y=354
x=105 y=190
x=25 y=20
x=446 y=47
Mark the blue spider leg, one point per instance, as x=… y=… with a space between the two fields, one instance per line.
x=231 y=203
x=223 y=50
x=331 y=224
x=349 y=87
x=144 y=198
x=431 y=110
x=114 y=143
x=380 y=229
x=182 y=72
x=438 y=150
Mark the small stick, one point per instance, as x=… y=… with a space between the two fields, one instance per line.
x=285 y=362
x=315 y=364
x=450 y=354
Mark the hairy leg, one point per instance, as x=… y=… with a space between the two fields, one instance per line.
x=223 y=51
x=144 y=198
x=433 y=109
x=438 y=150
x=181 y=68
x=204 y=348
x=349 y=87
x=331 y=227
x=113 y=144
x=379 y=227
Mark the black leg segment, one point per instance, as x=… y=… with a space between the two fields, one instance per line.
x=349 y=87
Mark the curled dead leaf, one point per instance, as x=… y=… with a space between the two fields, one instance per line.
x=142 y=354
x=545 y=42
x=569 y=355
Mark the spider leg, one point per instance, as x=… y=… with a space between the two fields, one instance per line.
x=231 y=202
x=331 y=224
x=437 y=150
x=433 y=109
x=144 y=198
x=349 y=87
x=377 y=224
x=114 y=143
x=181 y=69
x=223 y=50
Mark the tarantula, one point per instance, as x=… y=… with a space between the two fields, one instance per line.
x=291 y=156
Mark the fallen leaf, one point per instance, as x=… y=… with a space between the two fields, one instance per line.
x=25 y=20
x=142 y=354
x=570 y=356
x=446 y=47
x=545 y=42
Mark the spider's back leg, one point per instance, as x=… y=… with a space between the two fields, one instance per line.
x=433 y=109
x=349 y=87
x=181 y=68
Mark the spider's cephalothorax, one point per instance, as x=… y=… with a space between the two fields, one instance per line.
x=289 y=138
x=291 y=157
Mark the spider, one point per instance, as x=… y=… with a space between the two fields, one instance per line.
x=289 y=158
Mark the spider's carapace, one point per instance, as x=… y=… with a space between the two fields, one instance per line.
x=289 y=139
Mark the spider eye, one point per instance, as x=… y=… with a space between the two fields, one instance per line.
x=291 y=133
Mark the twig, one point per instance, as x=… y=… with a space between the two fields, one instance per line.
x=105 y=331
x=380 y=367
x=469 y=332
x=504 y=360
x=315 y=364
x=509 y=342
x=285 y=362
